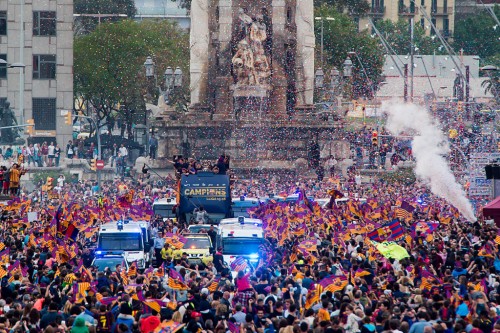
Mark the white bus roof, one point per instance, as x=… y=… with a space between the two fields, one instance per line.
x=113 y=227
x=246 y=221
x=165 y=201
x=245 y=199
x=241 y=231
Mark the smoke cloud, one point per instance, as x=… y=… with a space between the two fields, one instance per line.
x=429 y=147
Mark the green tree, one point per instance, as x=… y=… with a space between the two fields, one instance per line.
x=397 y=34
x=109 y=72
x=341 y=37
x=184 y=4
x=478 y=35
x=87 y=24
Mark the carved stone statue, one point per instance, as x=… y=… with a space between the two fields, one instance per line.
x=243 y=63
x=258 y=33
x=8 y=118
x=250 y=62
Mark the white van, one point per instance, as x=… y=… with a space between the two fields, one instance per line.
x=164 y=208
x=127 y=237
x=241 y=237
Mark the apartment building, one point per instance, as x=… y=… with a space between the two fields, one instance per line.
x=36 y=40
x=440 y=12
x=162 y=9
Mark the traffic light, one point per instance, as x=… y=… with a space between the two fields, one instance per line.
x=460 y=106
x=69 y=118
x=374 y=138
x=93 y=164
x=30 y=128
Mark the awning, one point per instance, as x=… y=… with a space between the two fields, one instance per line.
x=492 y=210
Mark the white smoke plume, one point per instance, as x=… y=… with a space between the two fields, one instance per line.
x=429 y=147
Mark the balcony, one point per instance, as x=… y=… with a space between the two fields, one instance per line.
x=446 y=33
x=406 y=11
x=441 y=11
x=377 y=11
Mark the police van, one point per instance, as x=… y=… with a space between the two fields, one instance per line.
x=165 y=208
x=241 y=204
x=131 y=238
x=241 y=237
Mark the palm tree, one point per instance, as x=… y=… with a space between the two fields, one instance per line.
x=492 y=86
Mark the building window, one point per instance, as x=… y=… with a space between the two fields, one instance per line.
x=289 y=15
x=44 y=23
x=422 y=3
x=3 y=67
x=433 y=32
x=44 y=113
x=434 y=6
x=446 y=27
x=3 y=23
x=44 y=66
x=422 y=23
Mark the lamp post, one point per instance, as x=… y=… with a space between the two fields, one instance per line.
x=322 y=19
x=352 y=53
x=21 y=85
x=173 y=79
x=335 y=79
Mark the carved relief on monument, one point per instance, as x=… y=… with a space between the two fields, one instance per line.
x=250 y=62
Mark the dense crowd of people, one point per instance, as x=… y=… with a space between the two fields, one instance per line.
x=448 y=282
x=323 y=270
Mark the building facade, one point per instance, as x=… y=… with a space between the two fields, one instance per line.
x=39 y=35
x=162 y=9
x=440 y=12
x=464 y=8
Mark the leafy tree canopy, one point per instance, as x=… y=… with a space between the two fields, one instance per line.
x=397 y=34
x=478 y=35
x=341 y=37
x=109 y=64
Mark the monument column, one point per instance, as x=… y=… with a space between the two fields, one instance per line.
x=304 y=20
x=279 y=83
x=223 y=81
x=198 y=45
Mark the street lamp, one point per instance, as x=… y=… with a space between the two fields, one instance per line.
x=21 y=85
x=178 y=77
x=149 y=65
x=322 y=33
x=334 y=77
x=169 y=78
x=347 y=67
x=172 y=79
x=319 y=78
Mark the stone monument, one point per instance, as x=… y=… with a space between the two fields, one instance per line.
x=8 y=118
x=252 y=85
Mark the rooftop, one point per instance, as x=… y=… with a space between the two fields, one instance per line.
x=432 y=65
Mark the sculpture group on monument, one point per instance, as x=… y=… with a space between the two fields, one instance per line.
x=250 y=62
